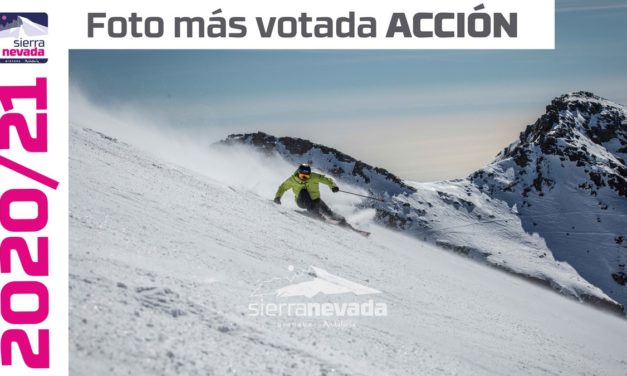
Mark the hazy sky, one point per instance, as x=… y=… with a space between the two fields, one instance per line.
x=424 y=115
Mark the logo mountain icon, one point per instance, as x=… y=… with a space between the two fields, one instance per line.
x=323 y=282
x=22 y=27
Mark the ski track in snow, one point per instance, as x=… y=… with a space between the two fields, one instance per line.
x=163 y=262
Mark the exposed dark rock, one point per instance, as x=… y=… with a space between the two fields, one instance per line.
x=559 y=133
x=392 y=220
x=620 y=278
x=463 y=250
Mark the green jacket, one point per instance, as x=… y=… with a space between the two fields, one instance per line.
x=312 y=185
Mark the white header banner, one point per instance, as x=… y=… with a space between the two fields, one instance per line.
x=350 y=24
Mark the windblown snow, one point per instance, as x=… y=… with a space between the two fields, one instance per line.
x=164 y=260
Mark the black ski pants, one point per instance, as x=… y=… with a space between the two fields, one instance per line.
x=318 y=207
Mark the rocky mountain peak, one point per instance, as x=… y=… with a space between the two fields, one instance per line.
x=579 y=128
x=569 y=117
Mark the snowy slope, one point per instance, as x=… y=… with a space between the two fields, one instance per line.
x=163 y=262
x=456 y=215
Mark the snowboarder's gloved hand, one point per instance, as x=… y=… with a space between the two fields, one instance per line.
x=335 y=189
x=277 y=200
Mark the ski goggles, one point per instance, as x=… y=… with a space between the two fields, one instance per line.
x=304 y=176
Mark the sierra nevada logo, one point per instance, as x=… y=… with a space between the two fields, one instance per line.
x=326 y=295
x=23 y=37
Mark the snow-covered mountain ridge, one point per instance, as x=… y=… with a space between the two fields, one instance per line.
x=491 y=214
x=328 y=159
x=567 y=177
